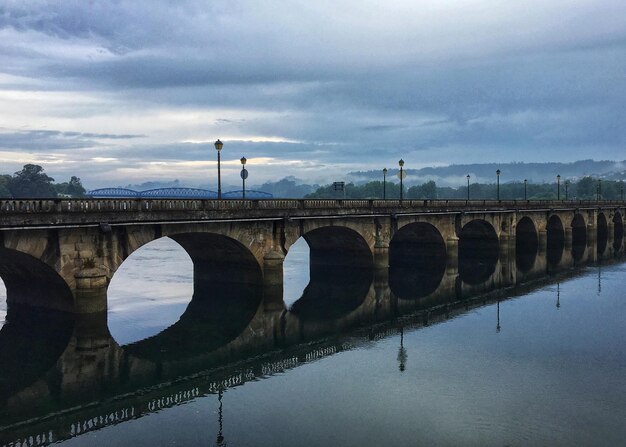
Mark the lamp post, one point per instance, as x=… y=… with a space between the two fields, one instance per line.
x=599 y=191
x=218 y=148
x=621 y=189
x=468 y=179
x=525 y=188
x=558 y=187
x=401 y=174
x=566 y=186
x=498 y=184
x=384 y=183
x=244 y=176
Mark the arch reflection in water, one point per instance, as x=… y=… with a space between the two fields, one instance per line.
x=478 y=252
x=218 y=312
x=579 y=237
x=526 y=244
x=333 y=292
x=31 y=341
x=555 y=241
x=417 y=258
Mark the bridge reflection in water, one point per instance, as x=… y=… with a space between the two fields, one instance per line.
x=63 y=374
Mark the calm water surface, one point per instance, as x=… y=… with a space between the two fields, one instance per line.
x=547 y=367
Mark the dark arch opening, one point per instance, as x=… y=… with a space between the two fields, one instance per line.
x=33 y=283
x=218 y=258
x=417 y=259
x=526 y=244
x=478 y=252
x=618 y=231
x=341 y=272
x=338 y=246
x=555 y=243
x=602 y=234
x=579 y=237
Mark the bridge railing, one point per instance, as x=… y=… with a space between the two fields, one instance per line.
x=36 y=206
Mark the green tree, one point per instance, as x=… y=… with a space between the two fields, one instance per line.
x=32 y=182
x=586 y=188
x=73 y=188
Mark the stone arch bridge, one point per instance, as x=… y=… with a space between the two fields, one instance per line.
x=62 y=254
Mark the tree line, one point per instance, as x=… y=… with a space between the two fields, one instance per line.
x=33 y=183
x=587 y=188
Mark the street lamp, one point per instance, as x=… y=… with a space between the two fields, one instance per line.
x=384 y=183
x=525 y=188
x=621 y=189
x=244 y=176
x=558 y=187
x=401 y=174
x=599 y=195
x=566 y=186
x=468 y=179
x=218 y=148
x=498 y=184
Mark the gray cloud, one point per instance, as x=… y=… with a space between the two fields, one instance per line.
x=343 y=81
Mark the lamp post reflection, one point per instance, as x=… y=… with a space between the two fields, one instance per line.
x=498 y=327
x=402 y=355
x=558 y=295
x=220 y=437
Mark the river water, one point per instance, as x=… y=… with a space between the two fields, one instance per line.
x=541 y=362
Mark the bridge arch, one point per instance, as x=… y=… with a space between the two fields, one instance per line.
x=478 y=251
x=417 y=260
x=579 y=237
x=32 y=282
x=526 y=244
x=602 y=233
x=555 y=244
x=618 y=231
x=340 y=273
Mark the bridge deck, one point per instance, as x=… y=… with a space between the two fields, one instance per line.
x=83 y=212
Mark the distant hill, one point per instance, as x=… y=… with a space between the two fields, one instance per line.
x=486 y=172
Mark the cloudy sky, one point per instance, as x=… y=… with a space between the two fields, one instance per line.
x=129 y=91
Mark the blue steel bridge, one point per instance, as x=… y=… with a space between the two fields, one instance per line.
x=174 y=193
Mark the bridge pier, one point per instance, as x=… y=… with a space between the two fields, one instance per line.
x=542 y=240
x=90 y=295
x=273 y=280
x=452 y=259
x=381 y=255
x=568 y=237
